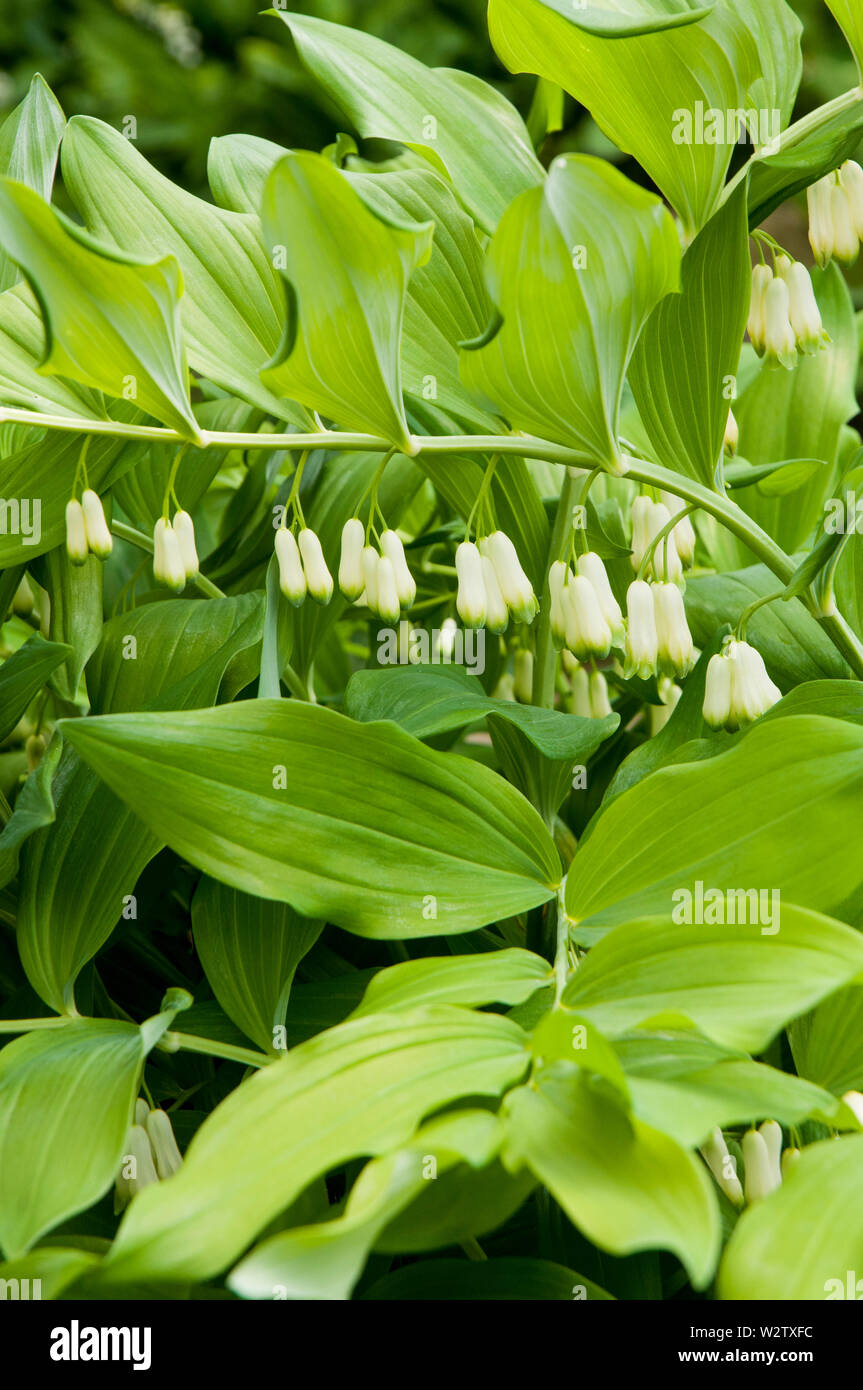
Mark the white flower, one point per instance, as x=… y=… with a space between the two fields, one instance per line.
x=184 y=529
x=592 y=568
x=471 y=600
x=758 y=1179
x=351 y=562
x=675 y=651
x=292 y=580
x=659 y=715
x=684 y=532
x=716 y=708
x=641 y=638
x=846 y=243
x=168 y=567
x=771 y=1133
x=789 y=1158
x=666 y=563
x=752 y=690
x=76 y=532
x=731 y=440
x=445 y=641
x=523 y=676
x=851 y=176
x=580 y=703
x=318 y=578
x=514 y=584
x=803 y=307
x=600 y=705
x=641 y=533
x=393 y=549
x=820 y=219
x=369 y=561
x=168 y=1158
x=722 y=1166
x=137 y=1169
x=556 y=581
x=757 y=325
x=496 y=611
x=98 y=536
x=780 y=341
x=587 y=632
x=388 y=604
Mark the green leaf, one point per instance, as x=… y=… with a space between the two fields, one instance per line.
x=29 y=145
x=22 y=676
x=688 y=352
x=461 y=125
x=494 y=977
x=347 y=271
x=22 y=350
x=66 y=1099
x=608 y=19
x=850 y=20
x=575 y=268
x=250 y=949
x=367 y=827
x=735 y=983
x=53 y=1266
x=664 y=75
x=775 y=178
x=510 y=1277
x=625 y=1185
x=75 y=606
x=356 y=1090
x=828 y=1043
x=734 y=821
x=34 y=808
x=111 y=319
x=800 y=1242
x=325 y=1260
x=232 y=309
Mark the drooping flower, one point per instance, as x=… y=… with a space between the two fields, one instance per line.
x=351 y=580
x=370 y=559
x=757 y=324
x=846 y=242
x=76 y=532
x=184 y=528
x=592 y=568
x=388 y=605
x=684 y=531
x=167 y=1156
x=557 y=621
x=732 y=435
x=292 y=579
x=723 y=1167
x=820 y=219
x=738 y=689
x=659 y=715
x=851 y=178
x=523 y=676
x=392 y=548
x=780 y=340
x=579 y=702
x=471 y=599
x=496 y=611
x=803 y=308
x=515 y=586
x=319 y=581
x=168 y=567
x=587 y=632
x=600 y=705
x=676 y=653
x=758 y=1175
x=99 y=539
x=642 y=644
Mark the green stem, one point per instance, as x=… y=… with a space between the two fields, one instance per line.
x=135 y=537
x=29 y=1025
x=545 y=659
x=186 y=1042
x=654 y=545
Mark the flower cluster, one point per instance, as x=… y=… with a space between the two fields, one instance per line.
x=784 y=317
x=302 y=567
x=677 y=547
x=86 y=528
x=658 y=639
x=175 y=557
x=836 y=215
x=588 y=690
x=151 y=1154
x=381 y=579
x=764 y=1163
x=738 y=689
x=492 y=586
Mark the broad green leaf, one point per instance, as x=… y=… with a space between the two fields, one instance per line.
x=34 y=808
x=734 y=821
x=51 y=1268
x=346 y=271
x=689 y=350
x=182 y=649
x=625 y=1185
x=357 y=823
x=22 y=676
x=427 y=700
x=511 y=1277
x=324 y=1261
x=66 y=1098
x=801 y=1242
x=111 y=318
x=356 y=1090
x=250 y=949
x=828 y=1043
x=737 y=984
x=461 y=125
x=834 y=699
x=22 y=350
x=232 y=309
x=463 y=1202
x=774 y=178
x=850 y=20
x=625 y=18
x=75 y=606
x=574 y=269
x=669 y=78
x=29 y=145
x=493 y=977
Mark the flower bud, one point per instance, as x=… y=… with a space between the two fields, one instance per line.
x=292 y=580
x=730 y=442
x=137 y=1169
x=557 y=621
x=496 y=611
x=771 y=1133
x=851 y=176
x=820 y=221
x=641 y=638
x=666 y=563
x=722 y=1166
x=587 y=632
x=580 y=698
x=846 y=243
x=168 y=567
x=163 y=1144
x=600 y=705
x=659 y=715
x=523 y=676
x=716 y=709
x=351 y=562
x=318 y=578
x=757 y=324
x=752 y=690
x=780 y=340
x=392 y=547
x=370 y=559
x=803 y=307
x=184 y=528
x=388 y=605
x=76 y=532
x=471 y=600
x=99 y=539
x=683 y=534
x=675 y=651
x=592 y=568
x=514 y=584
x=445 y=642
x=641 y=533
x=758 y=1171
x=789 y=1158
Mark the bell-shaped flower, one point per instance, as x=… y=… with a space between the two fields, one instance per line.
x=642 y=645
x=392 y=548
x=523 y=676
x=496 y=611
x=351 y=580
x=846 y=243
x=292 y=580
x=592 y=568
x=587 y=632
x=388 y=604
x=716 y=708
x=76 y=532
x=851 y=178
x=579 y=700
x=757 y=324
x=641 y=532
x=758 y=1175
x=684 y=532
x=600 y=705
x=514 y=584
x=731 y=438
x=771 y=1133
x=168 y=567
x=369 y=561
x=557 y=621
x=666 y=563
x=803 y=308
x=675 y=650
x=137 y=1169
x=167 y=1156
x=780 y=340
x=659 y=715
x=722 y=1166
x=319 y=581
x=99 y=538
x=818 y=197
x=752 y=690
x=471 y=599
x=184 y=529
